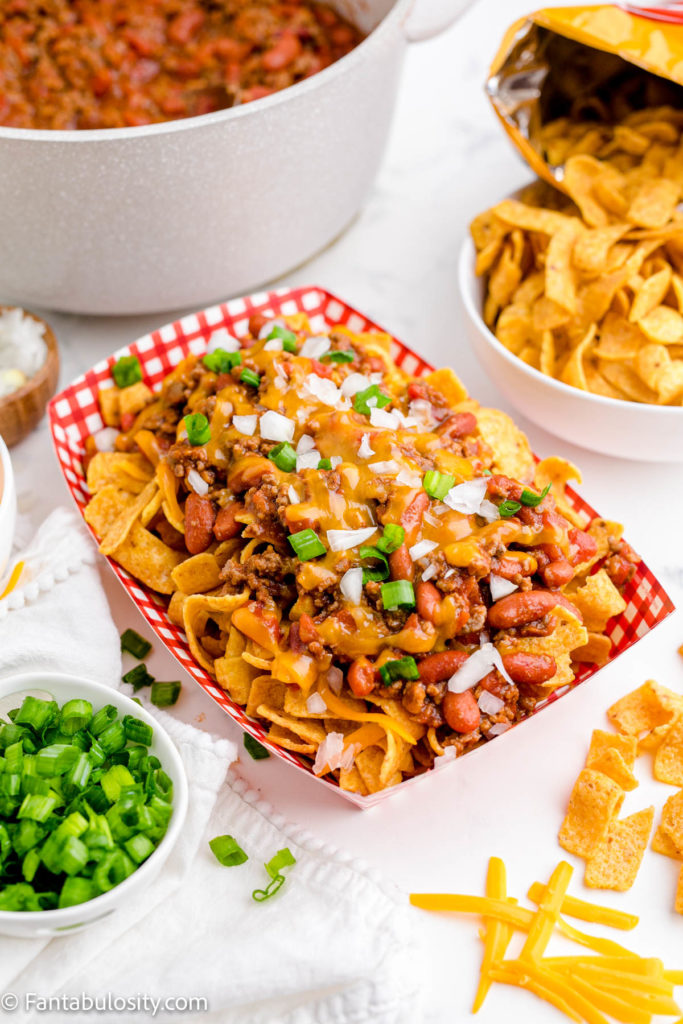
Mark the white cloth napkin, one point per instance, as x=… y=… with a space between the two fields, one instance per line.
x=335 y=946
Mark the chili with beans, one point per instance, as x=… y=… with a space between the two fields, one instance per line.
x=114 y=63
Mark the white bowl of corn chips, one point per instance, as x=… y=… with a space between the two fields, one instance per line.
x=620 y=427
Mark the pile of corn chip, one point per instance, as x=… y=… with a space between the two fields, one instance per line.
x=648 y=719
x=587 y=287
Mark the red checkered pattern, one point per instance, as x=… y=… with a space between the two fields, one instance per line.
x=74 y=415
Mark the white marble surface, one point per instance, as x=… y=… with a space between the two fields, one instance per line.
x=447 y=159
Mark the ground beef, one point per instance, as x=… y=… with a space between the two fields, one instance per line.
x=267 y=504
x=268 y=576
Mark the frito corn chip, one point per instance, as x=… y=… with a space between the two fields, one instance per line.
x=558 y=472
x=306 y=729
x=654 y=203
x=644 y=709
x=175 y=607
x=352 y=781
x=678 y=904
x=662 y=843
x=134 y=398
x=615 y=861
x=672 y=819
x=122 y=526
x=109 y=406
x=149 y=559
x=602 y=741
x=126 y=470
x=598 y=600
x=235 y=675
x=596 y=651
x=668 y=762
x=595 y=800
x=197 y=574
x=265 y=690
x=284 y=738
x=651 y=292
x=513 y=456
x=663 y=325
x=104 y=509
x=560 y=286
x=611 y=763
x=447 y=383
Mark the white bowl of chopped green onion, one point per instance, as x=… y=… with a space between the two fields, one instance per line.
x=93 y=795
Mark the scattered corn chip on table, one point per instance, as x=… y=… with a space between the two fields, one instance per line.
x=398 y=264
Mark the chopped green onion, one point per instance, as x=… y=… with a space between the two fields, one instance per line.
x=137 y=731
x=114 y=780
x=138 y=677
x=264 y=894
x=254 y=748
x=56 y=759
x=139 y=848
x=287 y=337
x=220 y=361
x=38 y=808
x=437 y=485
x=79 y=773
x=392 y=538
x=338 y=356
x=198 y=429
x=112 y=738
x=164 y=695
x=361 y=398
x=398 y=594
x=250 y=377
x=324 y=464
x=135 y=644
x=14 y=758
x=127 y=371
x=227 y=851
x=104 y=717
x=75 y=715
x=76 y=890
x=282 y=859
x=307 y=545
x=373 y=554
x=73 y=855
x=508 y=508
x=528 y=497
x=36 y=712
x=284 y=457
x=402 y=668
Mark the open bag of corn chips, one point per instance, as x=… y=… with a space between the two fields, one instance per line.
x=585 y=268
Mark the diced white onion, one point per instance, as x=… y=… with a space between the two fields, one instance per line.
x=489 y=703
x=315 y=347
x=104 y=439
x=431 y=517
x=335 y=679
x=449 y=754
x=380 y=418
x=388 y=468
x=354 y=383
x=407 y=422
x=316 y=704
x=372 y=402
x=421 y=410
x=500 y=587
x=275 y=427
x=448 y=572
x=377 y=377
x=364 y=449
x=343 y=540
x=499 y=728
x=274 y=345
x=325 y=390
x=488 y=511
x=309 y=460
x=268 y=327
x=245 y=424
x=468 y=496
x=335 y=461
x=351 y=585
x=330 y=753
x=422 y=548
x=409 y=479
x=198 y=485
x=223 y=339
x=294 y=498
x=305 y=444
x=478 y=665
x=428 y=573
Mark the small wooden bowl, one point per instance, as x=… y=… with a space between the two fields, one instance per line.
x=22 y=410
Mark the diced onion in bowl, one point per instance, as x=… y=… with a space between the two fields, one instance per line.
x=223 y=339
x=275 y=427
x=245 y=424
x=422 y=548
x=489 y=704
x=343 y=540
x=478 y=665
x=500 y=587
x=316 y=705
x=104 y=439
x=198 y=485
x=351 y=585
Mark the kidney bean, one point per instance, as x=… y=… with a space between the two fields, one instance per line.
x=461 y=711
x=437 y=667
x=529 y=668
x=361 y=677
x=581 y=546
x=226 y=526
x=256 y=322
x=127 y=421
x=510 y=568
x=185 y=25
x=556 y=574
x=619 y=570
x=411 y=517
x=401 y=564
x=285 y=52
x=458 y=425
x=428 y=600
x=519 y=609
x=199 y=520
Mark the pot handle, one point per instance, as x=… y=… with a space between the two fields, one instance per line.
x=435 y=17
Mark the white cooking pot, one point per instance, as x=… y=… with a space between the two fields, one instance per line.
x=136 y=220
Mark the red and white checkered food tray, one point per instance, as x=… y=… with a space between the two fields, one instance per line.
x=74 y=414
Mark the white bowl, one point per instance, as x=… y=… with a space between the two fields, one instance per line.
x=8 y=507
x=32 y=924
x=629 y=430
